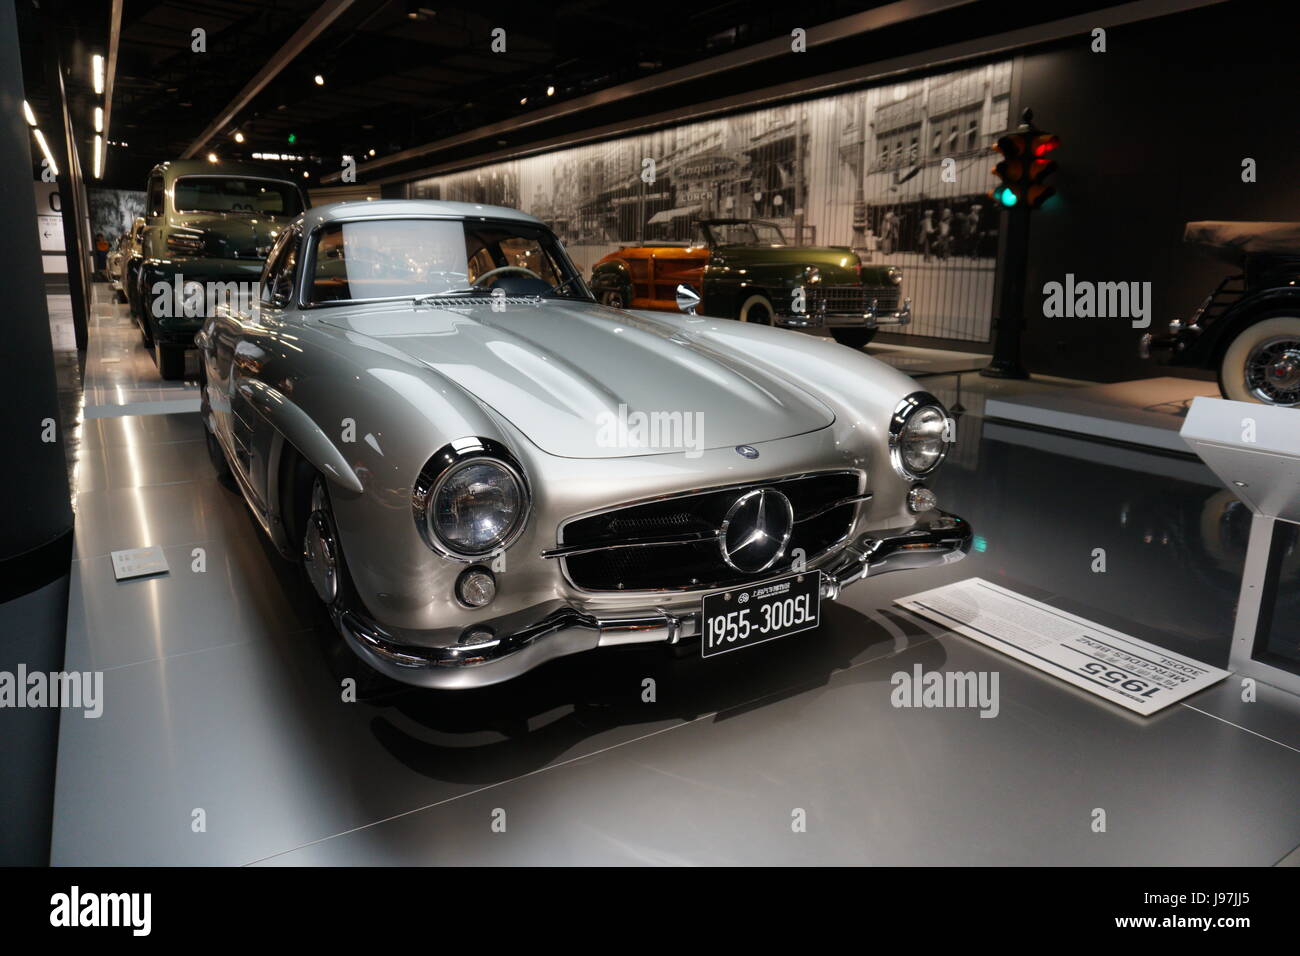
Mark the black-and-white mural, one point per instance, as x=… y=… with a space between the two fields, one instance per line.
x=899 y=173
x=113 y=210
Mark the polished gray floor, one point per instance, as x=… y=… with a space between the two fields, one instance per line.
x=223 y=703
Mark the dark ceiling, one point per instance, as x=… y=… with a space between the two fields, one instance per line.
x=402 y=73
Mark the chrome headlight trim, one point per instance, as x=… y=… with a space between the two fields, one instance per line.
x=903 y=413
x=444 y=463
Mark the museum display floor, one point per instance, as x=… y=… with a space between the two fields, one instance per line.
x=224 y=739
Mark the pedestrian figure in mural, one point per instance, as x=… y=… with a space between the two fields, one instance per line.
x=889 y=233
x=973 y=231
x=943 y=246
x=101 y=252
x=926 y=235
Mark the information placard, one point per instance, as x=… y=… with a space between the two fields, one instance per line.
x=1119 y=668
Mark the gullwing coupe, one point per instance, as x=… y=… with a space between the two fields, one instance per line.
x=480 y=468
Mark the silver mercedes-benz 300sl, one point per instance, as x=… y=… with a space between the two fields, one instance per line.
x=481 y=469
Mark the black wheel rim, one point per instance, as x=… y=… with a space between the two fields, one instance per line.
x=1273 y=371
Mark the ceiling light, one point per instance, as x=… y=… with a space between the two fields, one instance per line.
x=372 y=152
x=550 y=91
x=212 y=157
x=99 y=157
x=320 y=80
x=45 y=148
x=97 y=73
x=28 y=114
x=239 y=136
x=99 y=119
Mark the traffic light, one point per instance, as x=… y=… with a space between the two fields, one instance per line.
x=1037 y=191
x=1024 y=168
x=1011 y=170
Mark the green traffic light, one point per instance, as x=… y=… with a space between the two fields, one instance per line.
x=1006 y=197
x=293 y=137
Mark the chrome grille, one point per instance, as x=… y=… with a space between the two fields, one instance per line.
x=850 y=299
x=617 y=563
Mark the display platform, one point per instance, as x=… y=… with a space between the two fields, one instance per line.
x=1146 y=412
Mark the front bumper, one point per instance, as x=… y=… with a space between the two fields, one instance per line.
x=871 y=318
x=484 y=657
x=176 y=321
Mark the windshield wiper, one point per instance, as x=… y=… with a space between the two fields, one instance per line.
x=560 y=285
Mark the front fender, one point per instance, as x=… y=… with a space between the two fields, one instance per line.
x=612 y=276
x=300 y=431
x=1245 y=312
x=368 y=418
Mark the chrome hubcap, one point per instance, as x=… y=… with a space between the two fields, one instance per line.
x=319 y=548
x=1273 y=371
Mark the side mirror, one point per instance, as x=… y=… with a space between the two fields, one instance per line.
x=688 y=300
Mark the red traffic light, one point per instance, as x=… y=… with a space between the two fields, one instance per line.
x=1044 y=143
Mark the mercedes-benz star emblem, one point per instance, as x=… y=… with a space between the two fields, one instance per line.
x=756 y=530
x=747 y=451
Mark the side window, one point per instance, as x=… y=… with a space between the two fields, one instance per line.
x=155 y=200
x=277 y=280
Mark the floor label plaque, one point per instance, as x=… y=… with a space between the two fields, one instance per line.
x=139 y=563
x=1119 y=668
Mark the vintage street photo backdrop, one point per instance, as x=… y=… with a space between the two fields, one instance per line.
x=899 y=173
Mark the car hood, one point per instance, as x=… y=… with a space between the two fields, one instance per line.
x=835 y=264
x=231 y=235
x=572 y=376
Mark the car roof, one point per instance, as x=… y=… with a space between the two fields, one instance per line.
x=410 y=208
x=173 y=169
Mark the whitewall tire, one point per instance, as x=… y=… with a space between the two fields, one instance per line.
x=1262 y=364
x=756 y=309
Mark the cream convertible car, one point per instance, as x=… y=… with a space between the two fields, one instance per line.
x=481 y=469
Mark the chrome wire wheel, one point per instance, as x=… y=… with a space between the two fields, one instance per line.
x=320 y=549
x=1273 y=371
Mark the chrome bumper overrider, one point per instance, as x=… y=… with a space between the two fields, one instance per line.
x=484 y=658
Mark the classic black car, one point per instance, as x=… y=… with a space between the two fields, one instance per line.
x=1248 y=328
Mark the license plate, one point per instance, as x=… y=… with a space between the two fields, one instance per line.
x=754 y=613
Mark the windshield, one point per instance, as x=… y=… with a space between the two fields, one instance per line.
x=236 y=194
x=391 y=258
x=750 y=233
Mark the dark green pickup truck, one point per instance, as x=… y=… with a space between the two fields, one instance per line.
x=208 y=229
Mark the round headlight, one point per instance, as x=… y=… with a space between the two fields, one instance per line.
x=476 y=506
x=917 y=435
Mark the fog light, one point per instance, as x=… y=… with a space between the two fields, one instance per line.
x=476 y=587
x=921 y=499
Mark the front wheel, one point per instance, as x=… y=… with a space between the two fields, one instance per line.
x=171 y=361
x=853 y=338
x=326 y=571
x=1262 y=364
x=756 y=309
